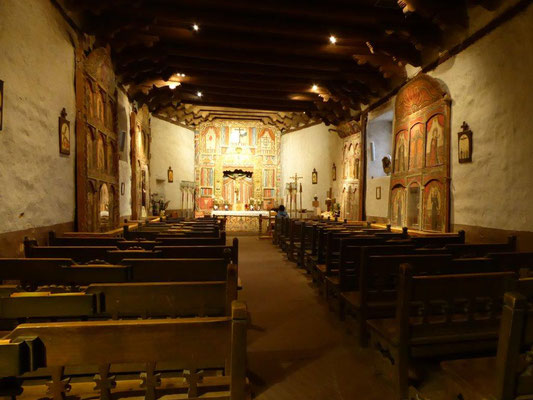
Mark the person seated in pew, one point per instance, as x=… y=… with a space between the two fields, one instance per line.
x=281 y=212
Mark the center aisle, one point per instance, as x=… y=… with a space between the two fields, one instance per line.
x=297 y=348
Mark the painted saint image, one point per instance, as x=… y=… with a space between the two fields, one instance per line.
x=397 y=211
x=401 y=152
x=433 y=207
x=416 y=147
x=65 y=138
x=464 y=147
x=435 y=141
x=210 y=140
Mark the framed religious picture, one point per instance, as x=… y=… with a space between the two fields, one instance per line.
x=170 y=175
x=465 y=144
x=314 y=177
x=378 y=192
x=334 y=172
x=64 y=133
x=1 y=104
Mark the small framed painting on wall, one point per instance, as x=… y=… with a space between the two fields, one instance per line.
x=314 y=177
x=170 y=175
x=64 y=133
x=465 y=144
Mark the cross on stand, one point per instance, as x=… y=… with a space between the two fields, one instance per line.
x=296 y=179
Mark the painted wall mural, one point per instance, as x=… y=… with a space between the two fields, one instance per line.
x=236 y=163
x=420 y=182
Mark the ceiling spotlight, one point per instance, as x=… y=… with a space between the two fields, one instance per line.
x=199 y=94
x=196 y=27
x=332 y=39
x=173 y=85
x=183 y=75
x=314 y=88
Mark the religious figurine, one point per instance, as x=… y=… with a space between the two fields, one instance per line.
x=387 y=165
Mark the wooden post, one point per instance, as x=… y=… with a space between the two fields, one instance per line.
x=509 y=344
x=239 y=316
x=301 y=207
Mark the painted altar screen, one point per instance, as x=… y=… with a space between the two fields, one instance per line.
x=420 y=182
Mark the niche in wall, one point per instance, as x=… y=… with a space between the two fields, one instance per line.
x=420 y=181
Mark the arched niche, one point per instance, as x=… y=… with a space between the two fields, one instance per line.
x=398 y=207
x=421 y=143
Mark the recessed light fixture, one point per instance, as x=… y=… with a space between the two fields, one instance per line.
x=332 y=39
x=196 y=27
x=314 y=88
x=199 y=94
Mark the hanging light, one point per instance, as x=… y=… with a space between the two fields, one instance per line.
x=199 y=94
x=332 y=39
x=314 y=88
x=196 y=27
x=173 y=85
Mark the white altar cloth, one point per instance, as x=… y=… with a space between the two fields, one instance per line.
x=240 y=213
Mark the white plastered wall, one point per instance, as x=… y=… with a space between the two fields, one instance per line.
x=37 y=67
x=172 y=146
x=301 y=151
x=378 y=133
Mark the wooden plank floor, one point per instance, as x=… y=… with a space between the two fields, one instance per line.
x=297 y=348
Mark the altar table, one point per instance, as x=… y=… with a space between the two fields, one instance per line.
x=242 y=221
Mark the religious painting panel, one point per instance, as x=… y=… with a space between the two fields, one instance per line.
x=421 y=160
x=401 y=151
x=413 y=206
x=435 y=146
x=96 y=138
x=416 y=147
x=398 y=206
x=435 y=209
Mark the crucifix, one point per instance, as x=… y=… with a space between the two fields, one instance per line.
x=296 y=179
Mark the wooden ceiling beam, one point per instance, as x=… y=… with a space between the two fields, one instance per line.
x=190 y=66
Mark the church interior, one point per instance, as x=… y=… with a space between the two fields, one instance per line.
x=266 y=200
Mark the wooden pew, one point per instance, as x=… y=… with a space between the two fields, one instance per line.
x=215 y=251
x=122 y=300
x=57 y=346
x=177 y=270
x=481 y=249
x=521 y=262
x=439 y=240
x=332 y=256
x=80 y=254
x=344 y=288
x=120 y=243
x=437 y=316
x=34 y=272
x=307 y=240
x=506 y=376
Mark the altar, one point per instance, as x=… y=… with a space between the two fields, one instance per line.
x=242 y=221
